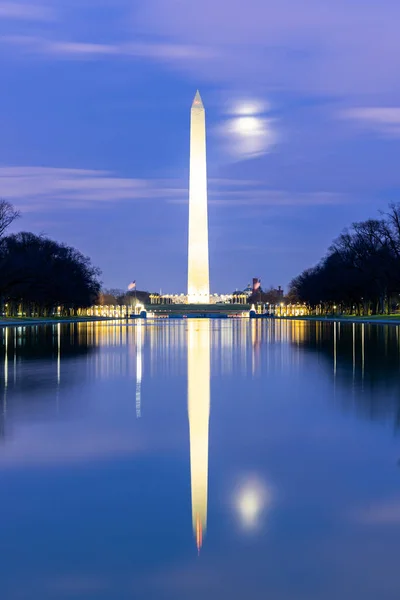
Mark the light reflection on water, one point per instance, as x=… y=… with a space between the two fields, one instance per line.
x=270 y=445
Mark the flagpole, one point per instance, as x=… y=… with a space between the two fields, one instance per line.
x=131 y=287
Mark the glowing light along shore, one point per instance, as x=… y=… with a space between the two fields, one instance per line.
x=198 y=265
x=199 y=413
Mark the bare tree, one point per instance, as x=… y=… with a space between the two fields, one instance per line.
x=391 y=228
x=8 y=215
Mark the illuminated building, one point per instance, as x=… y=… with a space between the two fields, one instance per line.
x=198 y=267
x=183 y=299
x=198 y=348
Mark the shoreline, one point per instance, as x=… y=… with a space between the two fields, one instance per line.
x=24 y=321
x=378 y=320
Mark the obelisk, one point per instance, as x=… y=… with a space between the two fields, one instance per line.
x=198 y=267
x=198 y=348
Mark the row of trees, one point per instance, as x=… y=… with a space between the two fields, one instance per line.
x=41 y=277
x=360 y=273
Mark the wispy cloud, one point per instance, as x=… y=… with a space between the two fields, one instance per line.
x=34 y=189
x=88 y=50
x=266 y=197
x=216 y=181
x=40 y=189
x=25 y=12
x=248 y=132
x=233 y=192
x=381 y=120
x=41 y=450
x=384 y=513
x=322 y=47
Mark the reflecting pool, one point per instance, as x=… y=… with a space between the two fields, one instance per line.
x=200 y=459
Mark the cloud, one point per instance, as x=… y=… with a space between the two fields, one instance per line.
x=43 y=189
x=38 y=448
x=384 y=513
x=248 y=132
x=246 y=137
x=233 y=192
x=25 y=12
x=381 y=120
x=323 y=46
x=35 y=189
x=89 y=50
x=267 y=197
x=215 y=181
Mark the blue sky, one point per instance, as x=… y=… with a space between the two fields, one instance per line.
x=303 y=115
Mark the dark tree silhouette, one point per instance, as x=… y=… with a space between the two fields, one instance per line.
x=41 y=275
x=361 y=271
x=7 y=216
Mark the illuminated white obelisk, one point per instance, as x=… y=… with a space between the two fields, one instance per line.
x=198 y=267
x=198 y=341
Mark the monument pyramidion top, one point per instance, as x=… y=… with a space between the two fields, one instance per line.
x=197 y=102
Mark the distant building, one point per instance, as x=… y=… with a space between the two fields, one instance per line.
x=182 y=299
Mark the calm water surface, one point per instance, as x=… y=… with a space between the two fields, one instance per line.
x=195 y=459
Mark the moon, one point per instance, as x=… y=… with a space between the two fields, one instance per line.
x=248 y=125
x=253 y=499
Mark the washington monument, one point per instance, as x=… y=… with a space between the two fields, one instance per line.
x=198 y=267
x=198 y=353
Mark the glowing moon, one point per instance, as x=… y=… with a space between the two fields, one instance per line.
x=250 y=505
x=252 y=500
x=248 y=125
x=248 y=132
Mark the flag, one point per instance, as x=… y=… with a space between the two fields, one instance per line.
x=132 y=286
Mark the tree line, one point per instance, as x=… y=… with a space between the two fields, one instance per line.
x=360 y=273
x=41 y=277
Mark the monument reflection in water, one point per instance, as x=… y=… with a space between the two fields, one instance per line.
x=198 y=349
